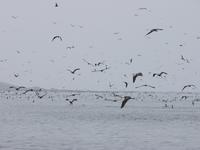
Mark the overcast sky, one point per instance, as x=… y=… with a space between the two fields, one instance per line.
x=112 y=31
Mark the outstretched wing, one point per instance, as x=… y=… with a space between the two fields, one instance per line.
x=150 y=32
x=123 y=103
x=76 y=70
x=59 y=37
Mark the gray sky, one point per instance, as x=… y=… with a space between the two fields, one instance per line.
x=28 y=26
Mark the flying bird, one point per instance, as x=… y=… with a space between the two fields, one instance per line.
x=190 y=85
x=56 y=37
x=73 y=71
x=71 y=101
x=145 y=85
x=126 y=84
x=126 y=98
x=159 y=74
x=56 y=4
x=41 y=96
x=184 y=59
x=154 y=30
x=16 y=75
x=136 y=75
x=29 y=90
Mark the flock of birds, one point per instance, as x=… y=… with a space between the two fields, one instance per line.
x=21 y=92
x=101 y=67
x=105 y=67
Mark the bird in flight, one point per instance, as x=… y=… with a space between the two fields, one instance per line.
x=136 y=75
x=159 y=74
x=73 y=71
x=126 y=84
x=189 y=85
x=71 y=101
x=154 y=30
x=16 y=75
x=17 y=88
x=184 y=59
x=56 y=37
x=29 y=90
x=56 y=4
x=126 y=98
x=41 y=96
x=145 y=85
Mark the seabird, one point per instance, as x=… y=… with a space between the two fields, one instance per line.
x=71 y=102
x=154 y=30
x=73 y=71
x=190 y=85
x=126 y=98
x=136 y=75
x=126 y=84
x=57 y=36
x=56 y=4
x=159 y=74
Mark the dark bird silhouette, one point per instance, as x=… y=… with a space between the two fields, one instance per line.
x=126 y=84
x=190 y=85
x=16 y=75
x=98 y=64
x=73 y=71
x=56 y=4
x=154 y=30
x=159 y=74
x=29 y=90
x=136 y=75
x=37 y=92
x=145 y=85
x=56 y=37
x=184 y=59
x=41 y=96
x=20 y=87
x=126 y=98
x=71 y=101
x=184 y=97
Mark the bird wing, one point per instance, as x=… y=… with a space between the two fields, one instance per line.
x=56 y=37
x=155 y=74
x=134 y=78
x=123 y=103
x=150 y=32
x=163 y=73
x=184 y=87
x=76 y=69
